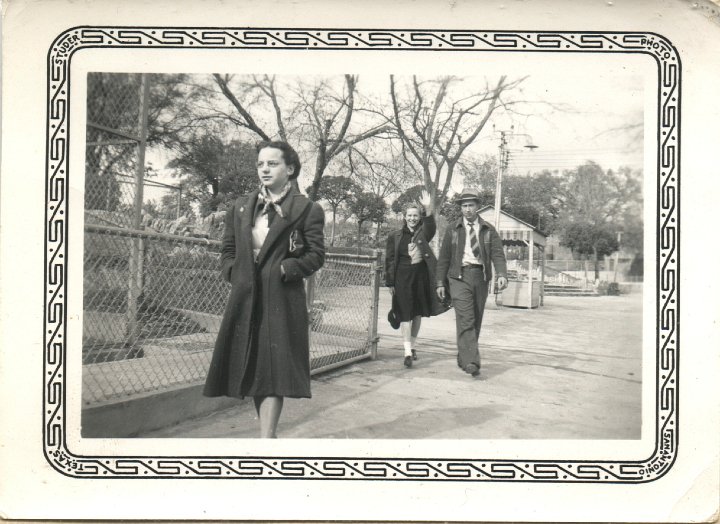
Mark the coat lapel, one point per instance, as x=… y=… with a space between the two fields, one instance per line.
x=484 y=226
x=292 y=207
x=460 y=226
x=245 y=213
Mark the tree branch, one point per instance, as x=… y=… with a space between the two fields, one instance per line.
x=250 y=122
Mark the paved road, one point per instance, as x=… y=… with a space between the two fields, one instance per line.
x=568 y=370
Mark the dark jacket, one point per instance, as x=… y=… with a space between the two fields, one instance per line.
x=422 y=237
x=283 y=337
x=453 y=245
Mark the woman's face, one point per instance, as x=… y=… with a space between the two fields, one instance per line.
x=272 y=169
x=412 y=216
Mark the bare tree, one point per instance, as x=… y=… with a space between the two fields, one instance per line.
x=436 y=127
x=320 y=113
x=243 y=118
x=379 y=167
x=328 y=115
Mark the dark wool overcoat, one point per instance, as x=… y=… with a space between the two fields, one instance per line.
x=263 y=338
x=422 y=237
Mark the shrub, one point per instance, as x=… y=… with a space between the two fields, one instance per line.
x=608 y=288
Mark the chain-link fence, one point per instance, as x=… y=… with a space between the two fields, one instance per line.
x=152 y=327
x=571 y=265
x=152 y=296
x=113 y=148
x=166 y=339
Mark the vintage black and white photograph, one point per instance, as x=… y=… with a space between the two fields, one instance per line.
x=403 y=263
x=363 y=256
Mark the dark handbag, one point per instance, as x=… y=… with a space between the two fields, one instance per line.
x=393 y=317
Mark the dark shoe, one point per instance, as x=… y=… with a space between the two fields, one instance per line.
x=408 y=362
x=414 y=354
x=473 y=369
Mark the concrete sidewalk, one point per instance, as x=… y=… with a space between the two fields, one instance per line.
x=569 y=370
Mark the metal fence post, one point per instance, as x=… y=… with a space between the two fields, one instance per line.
x=179 y=202
x=135 y=263
x=376 y=269
x=310 y=294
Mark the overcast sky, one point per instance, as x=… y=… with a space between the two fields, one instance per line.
x=596 y=97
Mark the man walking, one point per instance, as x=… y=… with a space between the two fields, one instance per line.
x=469 y=247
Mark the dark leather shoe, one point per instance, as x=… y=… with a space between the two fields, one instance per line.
x=408 y=362
x=473 y=369
x=414 y=354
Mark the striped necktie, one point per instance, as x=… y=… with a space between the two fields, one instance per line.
x=474 y=245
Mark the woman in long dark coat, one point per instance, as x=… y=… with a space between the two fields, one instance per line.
x=273 y=239
x=410 y=273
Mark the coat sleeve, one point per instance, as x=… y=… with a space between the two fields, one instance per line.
x=227 y=252
x=497 y=254
x=429 y=227
x=390 y=260
x=313 y=257
x=443 y=263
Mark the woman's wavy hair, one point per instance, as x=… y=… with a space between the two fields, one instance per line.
x=419 y=207
x=290 y=156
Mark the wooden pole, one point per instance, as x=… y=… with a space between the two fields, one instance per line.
x=498 y=182
x=498 y=192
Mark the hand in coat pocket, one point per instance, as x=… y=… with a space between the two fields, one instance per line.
x=289 y=271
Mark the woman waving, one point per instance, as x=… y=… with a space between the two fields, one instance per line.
x=410 y=272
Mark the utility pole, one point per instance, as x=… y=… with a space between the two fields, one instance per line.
x=502 y=164
x=503 y=161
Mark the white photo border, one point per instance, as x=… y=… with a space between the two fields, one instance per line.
x=667 y=299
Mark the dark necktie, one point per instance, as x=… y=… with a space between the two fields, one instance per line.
x=474 y=245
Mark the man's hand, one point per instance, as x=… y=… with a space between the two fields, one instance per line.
x=502 y=283
x=441 y=292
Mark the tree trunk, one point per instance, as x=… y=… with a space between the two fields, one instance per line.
x=597 y=264
x=332 y=231
x=320 y=165
x=377 y=235
x=358 y=236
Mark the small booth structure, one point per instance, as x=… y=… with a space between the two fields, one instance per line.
x=525 y=284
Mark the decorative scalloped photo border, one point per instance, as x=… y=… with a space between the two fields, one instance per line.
x=666 y=299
